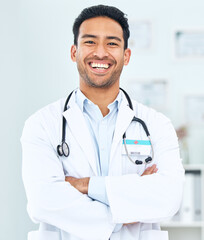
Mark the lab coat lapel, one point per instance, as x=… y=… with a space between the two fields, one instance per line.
x=79 y=129
x=125 y=116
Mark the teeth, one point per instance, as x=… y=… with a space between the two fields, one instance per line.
x=98 y=65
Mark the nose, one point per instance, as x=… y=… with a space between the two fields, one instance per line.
x=100 y=51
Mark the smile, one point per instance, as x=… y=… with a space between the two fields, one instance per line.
x=99 y=66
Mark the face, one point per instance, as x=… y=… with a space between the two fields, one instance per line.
x=100 y=54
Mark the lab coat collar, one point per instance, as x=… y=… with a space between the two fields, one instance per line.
x=125 y=116
x=78 y=127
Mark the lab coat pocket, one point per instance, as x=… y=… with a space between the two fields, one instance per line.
x=43 y=235
x=131 y=168
x=153 y=235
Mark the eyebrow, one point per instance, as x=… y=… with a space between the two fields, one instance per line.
x=113 y=37
x=95 y=36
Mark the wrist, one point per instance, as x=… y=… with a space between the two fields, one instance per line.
x=85 y=185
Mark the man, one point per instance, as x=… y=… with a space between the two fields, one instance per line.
x=97 y=192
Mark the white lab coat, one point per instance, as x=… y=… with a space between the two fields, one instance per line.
x=66 y=214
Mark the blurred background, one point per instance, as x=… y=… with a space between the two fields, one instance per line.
x=166 y=72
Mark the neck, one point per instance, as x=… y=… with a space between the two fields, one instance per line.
x=101 y=96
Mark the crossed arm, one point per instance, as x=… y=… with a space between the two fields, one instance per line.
x=82 y=184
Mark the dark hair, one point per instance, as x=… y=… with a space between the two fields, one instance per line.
x=104 y=11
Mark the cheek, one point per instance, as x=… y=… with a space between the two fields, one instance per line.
x=119 y=56
x=79 y=58
x=83 y=54
x=120 y=60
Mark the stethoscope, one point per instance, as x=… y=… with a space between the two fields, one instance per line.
x=63 y=148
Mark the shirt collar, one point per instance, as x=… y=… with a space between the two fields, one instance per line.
x=81 y=100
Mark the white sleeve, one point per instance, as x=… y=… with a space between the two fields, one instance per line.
x=151 y=198
x=97 y=191
x=52 y=200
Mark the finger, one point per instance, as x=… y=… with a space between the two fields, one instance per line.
x=69 y=179
x=153 y=167
x=150 y=169
x=129 y=223
x=146 y=172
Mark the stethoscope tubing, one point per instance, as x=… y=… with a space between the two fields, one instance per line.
x=63 y=148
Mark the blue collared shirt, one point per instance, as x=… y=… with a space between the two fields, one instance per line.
x=102 y=131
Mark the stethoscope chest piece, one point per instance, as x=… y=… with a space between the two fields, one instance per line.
x=63 y=149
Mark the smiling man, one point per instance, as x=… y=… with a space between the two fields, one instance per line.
x=100 y=53
x=100 y=166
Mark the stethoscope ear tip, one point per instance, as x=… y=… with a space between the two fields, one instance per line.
x=138 y=162
x=149 y=159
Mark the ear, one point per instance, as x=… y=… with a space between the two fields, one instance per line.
x=127 y=55
x=73 y=53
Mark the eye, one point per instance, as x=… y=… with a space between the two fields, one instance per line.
x=112 y=44
x=89 y=42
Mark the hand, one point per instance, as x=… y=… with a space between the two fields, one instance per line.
x=150 y=170
x=81 y=184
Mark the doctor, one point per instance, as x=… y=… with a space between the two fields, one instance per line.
x=97 y=193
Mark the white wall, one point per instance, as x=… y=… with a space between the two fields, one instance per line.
x=36 y=69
